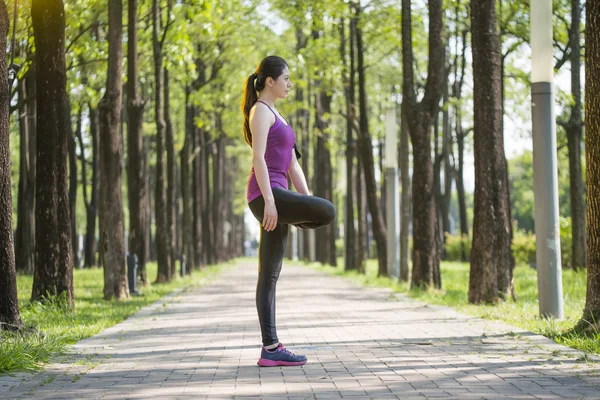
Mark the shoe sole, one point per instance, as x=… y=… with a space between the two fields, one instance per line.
x=271 y=363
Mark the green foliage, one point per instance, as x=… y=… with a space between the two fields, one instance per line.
x=58 y=327
x=523 y=247
x=520 y=169
x=453 y=247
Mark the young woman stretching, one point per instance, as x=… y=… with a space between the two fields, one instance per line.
x=274 y=155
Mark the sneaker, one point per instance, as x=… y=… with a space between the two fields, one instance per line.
x=279 y=357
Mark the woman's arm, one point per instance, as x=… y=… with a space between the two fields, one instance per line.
x=261 y=120
x=297 y=175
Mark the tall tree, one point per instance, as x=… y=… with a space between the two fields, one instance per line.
x=186 y=184
x=574 y=130
x=350 y=253
x=171 y=172
x=421 y=116
x=163 y=250
x=591 y=312
x=91 y=200
x=113 y=241
x=490 y=277
x=366 y=148
x=406 y=195
x=25 y=237
x=135 y=152
x=73 y=181
x=9 y=304
x=54 y=258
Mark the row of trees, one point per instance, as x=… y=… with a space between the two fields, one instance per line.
x=186 y=163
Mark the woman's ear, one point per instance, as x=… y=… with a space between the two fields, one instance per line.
x=269 y=81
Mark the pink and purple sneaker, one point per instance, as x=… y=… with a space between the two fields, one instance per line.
x=280 y=356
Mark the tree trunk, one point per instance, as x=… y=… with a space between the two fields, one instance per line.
x=446 y=152
x=9 y=304
x=591 y=312
x=460 y=142
x=196 y=164
x=460 y=188
x=421 y=115
x=186 y=185
x=163 y=250
x=72 y=146
x=205 y=192
x=91 y=206
x=135 y=147
x=405 y=201
x=574 y=133
x=490 y=277
x=171 y=176
x=25 y=246
x=113 y=241
x=366 y=148
x=218 y=194
x=349 y=222
x=54 y=257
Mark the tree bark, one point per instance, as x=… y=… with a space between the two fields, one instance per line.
x=421 y=115
x=135 y=147
x=171 y=178
x=366 y=148
x=406 y=205
x=9 y=304
x=72 y=147
x=490 y=277
x=186 y=185
x=163 y=250
x=591 y=312
x=208 y=239
x=91 y=206
x=113 y=241
x=574 y=130
x=218 y=187
x=54 y=257
x=349 y=221
x=25 y=243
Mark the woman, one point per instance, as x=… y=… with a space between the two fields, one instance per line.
x=274 y=155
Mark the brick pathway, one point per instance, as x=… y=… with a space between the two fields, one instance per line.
x=360 y=343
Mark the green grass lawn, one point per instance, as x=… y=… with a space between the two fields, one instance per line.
x=61 y=327
x=523 y=312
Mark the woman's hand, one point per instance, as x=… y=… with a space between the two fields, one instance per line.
x=270 y=216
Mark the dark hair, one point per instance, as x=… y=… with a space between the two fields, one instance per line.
x=271 y=66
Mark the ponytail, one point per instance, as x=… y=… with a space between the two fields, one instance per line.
x=249 y=99
x=271 y=66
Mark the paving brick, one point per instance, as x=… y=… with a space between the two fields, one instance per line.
x=205 y=343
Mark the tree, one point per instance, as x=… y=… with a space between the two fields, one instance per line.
x=135 y=179
x=25 y=236
x=112 y=242
x=421 y=115
x=591 y=312
x=490 y=278
x=405 y=203
x=366 y=149
x=163 y=250
x=9 y=304
x=54 y=261
x=574 y=129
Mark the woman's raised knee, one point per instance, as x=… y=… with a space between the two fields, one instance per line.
x=329 y=212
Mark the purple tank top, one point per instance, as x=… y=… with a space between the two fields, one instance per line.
x=278 y=155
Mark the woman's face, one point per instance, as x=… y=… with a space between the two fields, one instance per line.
x=281 y=86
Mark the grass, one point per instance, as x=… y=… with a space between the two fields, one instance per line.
x=60 y=327
x=522 y=313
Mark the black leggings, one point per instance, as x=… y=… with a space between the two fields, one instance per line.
x=292 y=209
